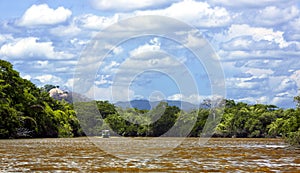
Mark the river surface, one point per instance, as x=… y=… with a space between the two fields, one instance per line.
x=91 y=155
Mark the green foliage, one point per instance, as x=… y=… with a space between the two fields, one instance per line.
x=105 y=108
x=297 y=100
x=293 y=138
x=27 y=111
x=167 y=118
x=48 y=87
x=89 y=117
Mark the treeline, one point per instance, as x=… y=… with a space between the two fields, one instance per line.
x=235 y=120
x=28 y=111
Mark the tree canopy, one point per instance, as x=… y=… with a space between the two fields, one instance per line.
x=27 y=111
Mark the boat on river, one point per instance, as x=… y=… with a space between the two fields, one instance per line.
x=105 y=134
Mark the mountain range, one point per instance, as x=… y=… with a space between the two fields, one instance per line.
x=148 y=105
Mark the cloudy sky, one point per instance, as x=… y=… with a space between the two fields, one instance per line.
x=257 y=44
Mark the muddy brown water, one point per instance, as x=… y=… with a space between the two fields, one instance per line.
x=82 y=155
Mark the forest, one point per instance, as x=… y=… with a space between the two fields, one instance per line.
x=27 y=111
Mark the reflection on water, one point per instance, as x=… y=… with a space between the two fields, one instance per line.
x=217 y=155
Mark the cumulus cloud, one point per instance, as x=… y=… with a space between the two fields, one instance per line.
x=193 y=98
x=293 y=28
x=255 y=78
x=295 y=24
x=286 y=85
x=246 y=3
x=30 y=47
x=194 y=40
x=49 y=78
x=41 y=64
x=259 y=71
x=273 y=15
x=284 y=99
x=128 y=5
x=5 y=38
x=91 y=21
x=44 y=15
x=112 y=94
x=246 y=43
x=28 y=77
x=196 y=13
x=296 y=77
x=103 y=80
x=254 y=100
x=256 y=33
x=111 y=67
x=153 y=45
x=62 y=31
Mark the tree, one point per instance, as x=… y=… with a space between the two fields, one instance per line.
x=48 y=87
x=105 y=108
x=166 y=120
x=27 y=111
x=297 y=100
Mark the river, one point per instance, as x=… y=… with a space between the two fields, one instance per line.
x=91 y=155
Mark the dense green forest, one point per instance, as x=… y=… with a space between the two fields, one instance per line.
x=29 y=111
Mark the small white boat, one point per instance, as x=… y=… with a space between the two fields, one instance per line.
x=105 y=134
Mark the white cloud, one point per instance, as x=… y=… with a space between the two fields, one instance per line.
x=91 y=21
x=257 y=80
x=244 y=84
x=69 y=84
x=246 y=43
x=102 y=80
x=112 y=94
x=79 y=43
x=154 y=96
x=256 y=33
x=128 y=5
x=49 y=79
x=175 y=97
x=32 y=48
x=153 y=45
x=43 y=15
x=194 y=40
x=295 y=24
x=273 y=15
x=193 y=98
x=286 y=85
x=147 y=61
x=284 y=99
x=6 y=37
x=42 y=64
x=254 y=100
x=61 y=31
x=296 y=77
x=118 y=50
x=260 y=72
x=28 y=77
x=293 y=30
x=196 y=13
x=246 y=3
x=110 y=67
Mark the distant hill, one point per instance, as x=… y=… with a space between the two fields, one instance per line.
x=147 y=105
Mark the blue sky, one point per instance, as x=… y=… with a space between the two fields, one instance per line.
x=257 y=43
